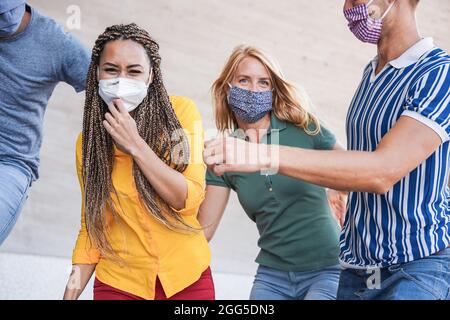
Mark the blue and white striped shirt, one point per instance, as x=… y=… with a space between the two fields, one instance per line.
x=412 y=219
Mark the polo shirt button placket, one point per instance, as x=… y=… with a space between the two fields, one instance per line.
x=269 y=182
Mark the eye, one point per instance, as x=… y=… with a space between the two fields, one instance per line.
x=264 y=83
x=135 y=72
x=243 y=81
x=110 y=70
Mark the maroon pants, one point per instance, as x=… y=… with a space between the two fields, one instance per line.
x=202 y=289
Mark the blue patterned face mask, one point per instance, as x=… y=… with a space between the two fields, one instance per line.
x=249 y=106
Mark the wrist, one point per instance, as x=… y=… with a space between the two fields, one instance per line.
x=268 y=157
x=71 y=294
x=139 y=149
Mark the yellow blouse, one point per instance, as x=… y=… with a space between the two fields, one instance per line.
x=149 y=248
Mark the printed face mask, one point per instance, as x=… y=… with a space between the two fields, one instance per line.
x=249 y=106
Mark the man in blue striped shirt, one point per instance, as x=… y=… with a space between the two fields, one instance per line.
x=396 y=235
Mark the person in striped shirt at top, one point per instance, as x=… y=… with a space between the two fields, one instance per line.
x=395 y=240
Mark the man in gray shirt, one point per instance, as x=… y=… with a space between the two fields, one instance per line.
x=35 y=55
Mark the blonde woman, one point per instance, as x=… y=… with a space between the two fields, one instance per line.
x=298 y=234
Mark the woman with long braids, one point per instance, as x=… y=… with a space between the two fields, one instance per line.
x=139 y=163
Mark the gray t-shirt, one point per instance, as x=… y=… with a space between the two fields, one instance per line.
x=31 y=65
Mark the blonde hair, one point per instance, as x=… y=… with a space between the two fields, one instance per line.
x=288 y=103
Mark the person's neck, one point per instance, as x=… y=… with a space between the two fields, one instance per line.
x=255 y=131
x=392 y=45
x=23 y=24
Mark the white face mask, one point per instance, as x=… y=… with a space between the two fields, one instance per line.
x=131 y=92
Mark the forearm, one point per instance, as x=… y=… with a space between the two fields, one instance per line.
x=212 y=209
x=402 y=149
x=79 y=278
x=335 y=169
x=209 y=219
x=168 y=183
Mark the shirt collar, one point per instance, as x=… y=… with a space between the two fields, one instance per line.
x=275 y=125
x=410 y=56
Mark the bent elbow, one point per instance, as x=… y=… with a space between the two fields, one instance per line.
x=208 y=235
x=380 y=189
x=381 y=185
x=179 y=206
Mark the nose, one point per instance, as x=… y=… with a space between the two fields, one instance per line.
x=254 y=87
x=123 y=74
x=348 y=4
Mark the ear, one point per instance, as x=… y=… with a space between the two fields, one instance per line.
x=150 y=78
x=388 y=3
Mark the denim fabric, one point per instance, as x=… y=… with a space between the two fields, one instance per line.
x=423 y=279
x=14 y=185
x=273 y=284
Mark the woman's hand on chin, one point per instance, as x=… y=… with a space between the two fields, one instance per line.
x=122 y=128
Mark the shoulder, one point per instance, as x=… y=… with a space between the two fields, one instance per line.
x=369 y=66
x=46 y=24
x=185 y=109
x=436 y=56
x=437 y=60
x=54 y=33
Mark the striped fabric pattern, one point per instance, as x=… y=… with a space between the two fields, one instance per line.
x=412 y=220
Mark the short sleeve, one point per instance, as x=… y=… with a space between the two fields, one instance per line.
x=428 y=100
x=325 y=139
x=75 y=63
x=212 y=179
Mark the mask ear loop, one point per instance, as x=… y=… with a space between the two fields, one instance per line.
x=387 y=11
x=228 y=95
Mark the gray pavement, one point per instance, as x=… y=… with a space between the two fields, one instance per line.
x=30 y=277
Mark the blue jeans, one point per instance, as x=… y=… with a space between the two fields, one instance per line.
x=273 y=284
x=423 y=279
x=14 y=185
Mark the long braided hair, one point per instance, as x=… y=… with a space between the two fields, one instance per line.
x=156 y=122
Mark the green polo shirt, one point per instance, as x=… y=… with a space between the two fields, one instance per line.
x=295 y=224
